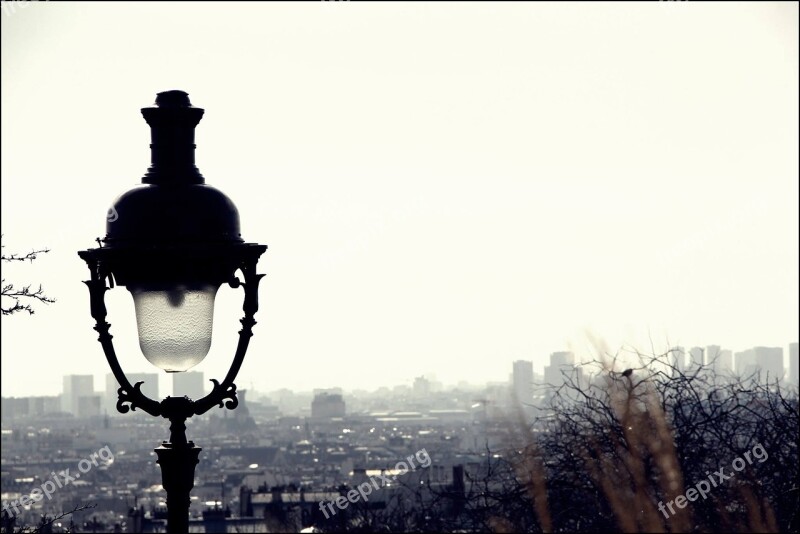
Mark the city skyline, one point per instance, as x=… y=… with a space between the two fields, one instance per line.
x=741 y=362
x=442 y=189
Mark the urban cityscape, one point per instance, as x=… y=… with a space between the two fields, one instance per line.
x=280 y=454
x=339 y=267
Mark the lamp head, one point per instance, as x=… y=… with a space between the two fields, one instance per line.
x=173 y=241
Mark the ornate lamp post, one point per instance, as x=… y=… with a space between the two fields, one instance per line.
x=173 y=241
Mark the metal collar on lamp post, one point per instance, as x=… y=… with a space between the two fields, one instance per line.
x=173 y=242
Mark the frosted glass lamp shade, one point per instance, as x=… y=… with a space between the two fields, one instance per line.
x=174 y=323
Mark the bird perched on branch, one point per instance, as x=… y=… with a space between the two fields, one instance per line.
x=627 y=372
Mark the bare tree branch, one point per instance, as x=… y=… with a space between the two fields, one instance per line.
x=21 y=299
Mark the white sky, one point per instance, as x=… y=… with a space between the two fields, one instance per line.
x=444 y=188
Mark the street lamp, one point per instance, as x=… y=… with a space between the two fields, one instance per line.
x=172 y=242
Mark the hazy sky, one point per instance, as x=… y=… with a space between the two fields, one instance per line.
x=444 y=188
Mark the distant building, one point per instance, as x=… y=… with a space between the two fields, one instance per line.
x=678 y=357
x=696 y=357
x=768 y=361
x=725 y=361
x=189 y=384
x=435 y=385
x=329 y=391
x=745 y=362
x=14 y=408
x=43 y=405
x=794 y=364
x=720 y=360
x=149 y=388
x=326 y=405
x=20 y=407
x=422 y=387
x=561 y=363
x=89 y=405
x=75 y=387
x=522 y=381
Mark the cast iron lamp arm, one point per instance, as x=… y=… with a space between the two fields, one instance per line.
x=127 y=393
x=227 y=389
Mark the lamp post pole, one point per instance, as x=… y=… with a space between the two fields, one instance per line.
x=173 y=242
x=178 y=458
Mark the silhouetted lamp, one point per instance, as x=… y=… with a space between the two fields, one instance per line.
x=172 y=242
